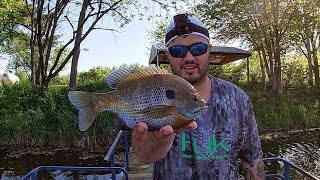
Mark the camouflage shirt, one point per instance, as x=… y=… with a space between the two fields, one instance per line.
x=225 y=133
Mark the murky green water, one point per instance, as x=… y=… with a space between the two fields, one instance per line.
x=15 y=168
x=303 y=149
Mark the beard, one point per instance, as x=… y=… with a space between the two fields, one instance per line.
x=193 y=77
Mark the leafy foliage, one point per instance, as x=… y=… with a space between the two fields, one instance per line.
x=271 y=28
x=299 y=108
x=31 y=119
x=12 y=13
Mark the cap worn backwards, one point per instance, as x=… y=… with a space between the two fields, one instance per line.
x=184 y=25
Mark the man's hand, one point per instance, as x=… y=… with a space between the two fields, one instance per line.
x=153 y=146
x=256 y=172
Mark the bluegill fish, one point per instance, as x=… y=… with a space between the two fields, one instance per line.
x=150 y=95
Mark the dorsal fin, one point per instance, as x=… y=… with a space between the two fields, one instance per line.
x=127 y=74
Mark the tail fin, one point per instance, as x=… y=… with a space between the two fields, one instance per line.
x=84 y=102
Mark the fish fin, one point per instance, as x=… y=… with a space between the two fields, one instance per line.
x=84 y=102
x=164 y=113
x=180 y=121
x=127 y=74
x=159 y=111
x=121 y=124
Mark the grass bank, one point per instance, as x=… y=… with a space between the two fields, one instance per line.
x=297 y=109
x=30 y=119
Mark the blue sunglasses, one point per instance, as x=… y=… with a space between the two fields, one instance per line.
x=181 y=51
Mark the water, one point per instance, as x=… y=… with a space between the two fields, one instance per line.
x=15 y=168
x=303 y=149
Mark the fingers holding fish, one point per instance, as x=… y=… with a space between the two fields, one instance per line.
x=163 y=133
x=139 y=133
x=191 y=125
x=151 y=146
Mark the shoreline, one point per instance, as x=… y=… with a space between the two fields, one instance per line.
x=285 y=133
x=15 y=152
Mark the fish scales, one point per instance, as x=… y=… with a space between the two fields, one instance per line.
x=139 y=96
x=150 y=95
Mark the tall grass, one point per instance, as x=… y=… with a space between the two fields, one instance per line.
x=296 y=109
x=30 y=119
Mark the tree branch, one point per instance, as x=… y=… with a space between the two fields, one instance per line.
x=51 y=73
x=302 y=51
x=70 y=23
x=162 y=4
x=106 y=29
x=99 y=16
x=60 y=6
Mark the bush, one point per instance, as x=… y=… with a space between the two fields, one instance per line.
x=296 y=109
x=30 y=119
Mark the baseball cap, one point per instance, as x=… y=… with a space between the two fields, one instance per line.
x=183 y=24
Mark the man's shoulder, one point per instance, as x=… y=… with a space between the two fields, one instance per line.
x=226 y=86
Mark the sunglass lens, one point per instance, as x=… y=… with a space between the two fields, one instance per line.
x=198 y=49
x=177 y=51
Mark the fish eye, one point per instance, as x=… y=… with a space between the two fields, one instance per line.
x=195 y=98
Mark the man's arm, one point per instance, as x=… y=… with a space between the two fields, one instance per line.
x=256 y=172
x=149 y=146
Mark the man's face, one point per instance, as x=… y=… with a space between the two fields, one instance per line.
x=192 y=68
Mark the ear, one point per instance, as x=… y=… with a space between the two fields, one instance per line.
x=171 y=94
x=209 y=46
x=166 y=52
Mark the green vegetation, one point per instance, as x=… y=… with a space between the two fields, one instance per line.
x=31 y=118
x=283 y=37
x=297 y=109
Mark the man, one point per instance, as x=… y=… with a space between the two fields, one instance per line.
x=209 y=147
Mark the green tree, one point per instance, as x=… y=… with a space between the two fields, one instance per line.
x=46 y=19
x=305 y=35
x=12 y=14
x=17 y=50
x=13 y=41
x=262 y=25
x=157 y=35
x=95 y=74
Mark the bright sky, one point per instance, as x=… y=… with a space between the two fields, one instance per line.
x=106 y=48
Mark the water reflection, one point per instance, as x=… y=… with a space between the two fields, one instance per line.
x=303 y=149
x=15 y=168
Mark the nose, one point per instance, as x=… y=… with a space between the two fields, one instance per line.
x=189 y=56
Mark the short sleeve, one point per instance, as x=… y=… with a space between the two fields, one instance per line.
x=251 y=149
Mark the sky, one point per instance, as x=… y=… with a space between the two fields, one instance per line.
x=130 y=45
x=107 y=49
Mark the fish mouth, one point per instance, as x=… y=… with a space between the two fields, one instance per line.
x=200 y=110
